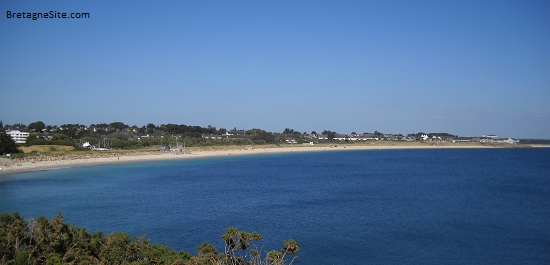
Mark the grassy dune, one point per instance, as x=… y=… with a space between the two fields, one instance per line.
x=46 y=148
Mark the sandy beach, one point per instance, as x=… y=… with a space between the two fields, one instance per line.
x=106 y=157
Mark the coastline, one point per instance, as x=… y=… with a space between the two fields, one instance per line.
x=106 y=157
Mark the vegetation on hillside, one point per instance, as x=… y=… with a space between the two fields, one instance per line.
x=7 y=144
x=52 y=242
x=535 y=141
x=120 y=136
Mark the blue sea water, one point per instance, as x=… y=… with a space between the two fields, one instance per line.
x=437 y=206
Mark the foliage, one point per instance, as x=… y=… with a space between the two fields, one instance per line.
x=30 y=138
x=187 y=131
x=38 y=142
x=121 y=136
x=37 y=126
x=62 y=142
x=259 y=134
x=7 y=144
x=43 y=241
x=534 y=141
x=238 y=251
x=330 y=135
x=289 y=131
x=16 y=126
x=442 y=134
x=151 y=128
x=118 y=126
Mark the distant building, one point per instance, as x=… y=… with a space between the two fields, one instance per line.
x=212 y=136
x=342 y=137
x=18 y=137
x=322 y=137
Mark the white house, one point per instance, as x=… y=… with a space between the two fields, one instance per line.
x=18 y=137
x=290 y=140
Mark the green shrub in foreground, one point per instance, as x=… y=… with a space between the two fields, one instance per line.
x=52 y=242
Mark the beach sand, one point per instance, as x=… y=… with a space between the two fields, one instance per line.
x=106 y=157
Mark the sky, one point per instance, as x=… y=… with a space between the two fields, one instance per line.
x=462 y=67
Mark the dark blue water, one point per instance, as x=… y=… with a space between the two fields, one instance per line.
x=450 y=206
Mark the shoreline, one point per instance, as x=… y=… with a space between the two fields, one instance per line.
x=109 y=158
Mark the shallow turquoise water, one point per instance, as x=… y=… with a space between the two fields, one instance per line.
x=467 y=206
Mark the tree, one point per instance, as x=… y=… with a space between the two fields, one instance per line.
x=289 y=131
x=151 y=128
x=7 y=144
x=72 y=132
x=118 y=126
x=43 y=241
x=37 y=126
x=16 y=126
x=330 y=135
x=211 y=130
x=259 y=135
x=238 y=251
x=30 y=138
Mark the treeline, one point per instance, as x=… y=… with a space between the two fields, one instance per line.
x=122 y=136
x=535 y=141
x=124 y=140
x=119 y=135
x=53 y=242
x=7 y=145
x=96 y=130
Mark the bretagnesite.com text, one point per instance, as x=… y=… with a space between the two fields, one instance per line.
x=50 y=14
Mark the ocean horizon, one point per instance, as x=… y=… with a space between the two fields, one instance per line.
x=428 y=206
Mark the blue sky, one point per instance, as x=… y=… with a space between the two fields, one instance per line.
x=463 y=67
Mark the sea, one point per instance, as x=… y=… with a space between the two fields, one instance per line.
x=423 y=206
